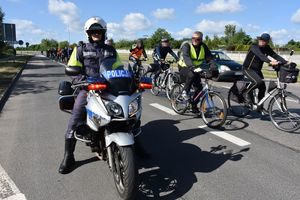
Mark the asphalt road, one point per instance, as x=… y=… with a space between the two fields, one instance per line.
x=187 y=162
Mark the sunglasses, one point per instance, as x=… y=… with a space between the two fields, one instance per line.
x=95 y=32
x=197 y=38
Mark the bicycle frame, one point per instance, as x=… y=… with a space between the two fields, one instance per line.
x=277 y=90
x=204 y=93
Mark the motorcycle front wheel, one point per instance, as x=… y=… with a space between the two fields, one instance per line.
x=124 y=171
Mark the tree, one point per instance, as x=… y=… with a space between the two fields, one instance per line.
x=49 y=44
x=158 y=35
x=63 y=44
x=2 y=44
x=124 y=44
x=229 y=31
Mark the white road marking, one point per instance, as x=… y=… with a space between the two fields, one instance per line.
x=221 y=134
x=163 y=108
x=227 y=136
x=227 y=87
x=230 y=138
x=8 y=189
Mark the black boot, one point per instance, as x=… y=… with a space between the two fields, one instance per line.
x=195 y=109
x=68 y=162
x=139 y=149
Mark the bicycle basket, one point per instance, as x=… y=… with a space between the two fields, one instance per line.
x=272 y=86
x=288 y=75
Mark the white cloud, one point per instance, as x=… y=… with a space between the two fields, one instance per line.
x=129 y=26
x=220 y=6
x=214 y=27
x=251 y=28
x=68 y=13
x=135 y=22
x=164 y=13
x=186 y=32
x=26 y=27
x=296 y=17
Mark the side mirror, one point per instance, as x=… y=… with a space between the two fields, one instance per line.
x=292 y=52
x=73 y=71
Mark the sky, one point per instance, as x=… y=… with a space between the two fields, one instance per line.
x=130 y=19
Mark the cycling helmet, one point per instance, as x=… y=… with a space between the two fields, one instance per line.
x=164 y=40
x=265 y=37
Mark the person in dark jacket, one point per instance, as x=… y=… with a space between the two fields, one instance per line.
x=192 y=55
x=86 y=56
x=159 y=55
x=252 y=66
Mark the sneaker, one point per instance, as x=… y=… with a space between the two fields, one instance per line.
x=185 y=95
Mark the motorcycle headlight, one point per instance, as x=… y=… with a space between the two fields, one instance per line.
x=223 y=68
x=133 y=107
x=114 y=109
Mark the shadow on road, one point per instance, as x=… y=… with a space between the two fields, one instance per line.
x=171 y=172
x=32 y=87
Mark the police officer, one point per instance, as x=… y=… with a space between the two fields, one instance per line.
x=192 y=54
x=87 y=57
x=253 y=64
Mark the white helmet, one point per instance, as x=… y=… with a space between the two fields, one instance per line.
x=95 y=23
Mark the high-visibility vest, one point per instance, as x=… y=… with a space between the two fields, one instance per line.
x=196 y=60
x=73 y=61
x=137 y=52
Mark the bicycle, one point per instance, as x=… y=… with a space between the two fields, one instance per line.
x=213 y=107
x=283 y=107
x=138 y=69
x=164 y=80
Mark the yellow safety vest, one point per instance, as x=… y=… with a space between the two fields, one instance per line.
x=196 y=60
x=73 y=61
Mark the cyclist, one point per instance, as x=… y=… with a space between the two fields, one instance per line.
x=109 y=42
x=192 y=55
x=253 y=64
x=159 y=55
x=136 y=52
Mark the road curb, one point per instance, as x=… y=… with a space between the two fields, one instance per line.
x=4 y=97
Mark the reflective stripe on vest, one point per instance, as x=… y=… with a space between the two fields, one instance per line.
x=73 y=61
x=196 y=60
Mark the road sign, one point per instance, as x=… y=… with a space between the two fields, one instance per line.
x=8 y=33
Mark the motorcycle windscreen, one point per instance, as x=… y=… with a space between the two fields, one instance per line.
x=119 y=77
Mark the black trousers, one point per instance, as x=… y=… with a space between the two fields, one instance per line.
x=191 y=79
x=256 y=77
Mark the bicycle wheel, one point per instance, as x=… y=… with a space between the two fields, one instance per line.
x=284 y=111
x=213 y=109
x=169 y=85
x=178 y=103
x=156 y=85
x=237 y=105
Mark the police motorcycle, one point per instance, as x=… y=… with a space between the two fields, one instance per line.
x=114 y=104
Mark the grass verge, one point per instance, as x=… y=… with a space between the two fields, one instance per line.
x=9 y=68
